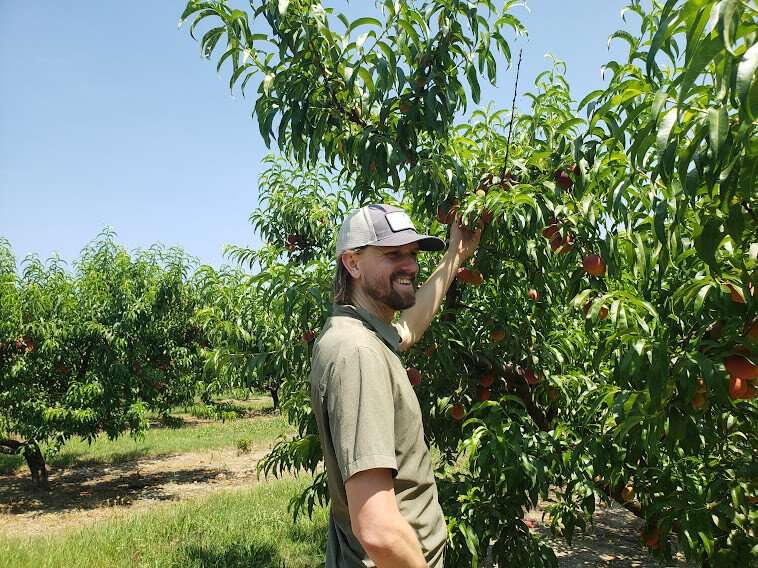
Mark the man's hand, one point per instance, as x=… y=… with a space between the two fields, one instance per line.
x=464 y=242
x=385 y=535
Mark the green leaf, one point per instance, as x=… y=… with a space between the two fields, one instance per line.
x=735 y=223
x=707 y=240
x=718 y=123
x=473 y=81
x=661 y=33
x=664 y=130
x=745 y=71
x=363 y=22
x=590 y=97
x=705 y=52
x=661 y=212
x=701 y=297
x=728 y=19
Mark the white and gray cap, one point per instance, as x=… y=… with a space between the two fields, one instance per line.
x=382 y=226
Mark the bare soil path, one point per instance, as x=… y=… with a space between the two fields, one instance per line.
x=612 y=541
x=88 y=493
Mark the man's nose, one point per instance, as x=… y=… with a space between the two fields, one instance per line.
x=410 y=265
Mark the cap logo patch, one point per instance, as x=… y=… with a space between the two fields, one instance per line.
x=399 y=221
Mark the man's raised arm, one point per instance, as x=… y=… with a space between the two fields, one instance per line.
x=414 y=321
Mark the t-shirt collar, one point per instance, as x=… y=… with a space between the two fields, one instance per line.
x=386 y=332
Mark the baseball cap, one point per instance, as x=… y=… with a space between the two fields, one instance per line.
x=382 y=226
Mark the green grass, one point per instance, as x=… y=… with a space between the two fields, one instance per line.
x=249 y=527
x=256 y=433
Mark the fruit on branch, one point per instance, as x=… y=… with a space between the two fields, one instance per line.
x=508 y=180
x=484 y=394
x=308 y=336
x=576 y=170
x=486 y=380
x=469 y=276
x=414 y=375
x=627 y=493
x=652 y=537
x=497 y=335
x=550 y=231
x=740 y=389
x=26 y=344
x=562 y=245
x=698 y=401
x=533 y=294
x=458 y=412
x=481 y=193
x=563 y=180
x=531 y=377
x=738 y=366
x=552 y=394
x=593 y=264
x=602 y=313
x=736 y=293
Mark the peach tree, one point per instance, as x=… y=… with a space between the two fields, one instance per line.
x=95 y=349
x=601 y=345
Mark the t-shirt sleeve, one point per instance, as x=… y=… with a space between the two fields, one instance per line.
x=361 y=413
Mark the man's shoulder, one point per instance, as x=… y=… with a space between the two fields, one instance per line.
x=347 y=339
x=345 y=335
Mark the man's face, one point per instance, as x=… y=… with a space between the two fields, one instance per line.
x=389 y=274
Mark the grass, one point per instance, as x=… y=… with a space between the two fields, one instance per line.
x=249 y=527
x=254 y=433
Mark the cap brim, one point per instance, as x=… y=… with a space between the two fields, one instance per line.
x=425 y=242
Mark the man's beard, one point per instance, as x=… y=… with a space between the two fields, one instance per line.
x=393 y=298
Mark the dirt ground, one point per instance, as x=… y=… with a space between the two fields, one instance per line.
x=612 y=541
x=89 y=493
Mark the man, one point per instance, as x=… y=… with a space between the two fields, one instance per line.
x=385 y=511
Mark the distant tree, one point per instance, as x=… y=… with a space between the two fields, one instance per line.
x=94 y=350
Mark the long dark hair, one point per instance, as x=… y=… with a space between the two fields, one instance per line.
x=343 y=282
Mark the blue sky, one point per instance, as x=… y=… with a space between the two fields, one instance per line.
x=110 y=117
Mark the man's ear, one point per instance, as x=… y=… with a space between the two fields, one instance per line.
x=350 y=261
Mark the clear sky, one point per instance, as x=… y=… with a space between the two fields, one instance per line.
x=110 y=117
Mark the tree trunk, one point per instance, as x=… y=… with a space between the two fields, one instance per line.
x=275 y=396
x=36 y=462
x=33 y=457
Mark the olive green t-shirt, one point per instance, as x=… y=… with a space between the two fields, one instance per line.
x=369 y=417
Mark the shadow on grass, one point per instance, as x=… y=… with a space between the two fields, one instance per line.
x=314 y=534
x=9 y=464
x=236 y=555
x=97 y=485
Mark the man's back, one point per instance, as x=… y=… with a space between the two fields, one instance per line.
x=369 y=417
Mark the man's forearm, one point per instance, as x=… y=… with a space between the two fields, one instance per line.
x=414 y=321
x=397 y=548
